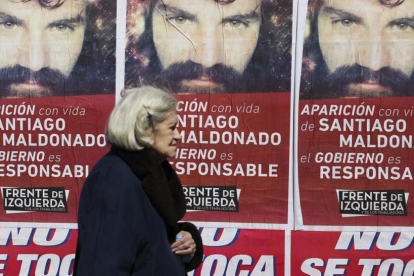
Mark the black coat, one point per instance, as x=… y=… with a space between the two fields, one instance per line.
x=128 y=213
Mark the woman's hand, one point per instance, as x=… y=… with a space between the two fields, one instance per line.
x=184 y=245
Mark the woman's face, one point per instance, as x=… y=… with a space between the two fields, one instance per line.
x=166 y=135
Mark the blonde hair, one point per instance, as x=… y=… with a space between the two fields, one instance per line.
x=139 y=110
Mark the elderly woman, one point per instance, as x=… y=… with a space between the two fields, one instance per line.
x=132 y=200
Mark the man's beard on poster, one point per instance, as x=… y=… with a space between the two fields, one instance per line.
x=226 y=78
x=336 y=84
x=52 y=80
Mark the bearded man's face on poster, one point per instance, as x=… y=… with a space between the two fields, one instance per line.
x=203 y=47
x=39 y=45
x=362 y=48
x=209 y=46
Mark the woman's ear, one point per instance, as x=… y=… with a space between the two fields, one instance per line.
x=151 y=132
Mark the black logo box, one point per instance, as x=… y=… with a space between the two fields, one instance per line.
x=42 y=193
x=370 y=197
x=204 y=194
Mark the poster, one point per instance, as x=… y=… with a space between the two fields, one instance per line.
x=233 y=251
x=354 y=115
x=57 y=85
x=352 y=253
x=37 y=251
x=229 y=62
x=234 y=164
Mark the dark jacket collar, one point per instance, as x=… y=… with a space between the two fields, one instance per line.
x=160 y=183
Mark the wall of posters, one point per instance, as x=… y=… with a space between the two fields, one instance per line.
x=297 y=142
